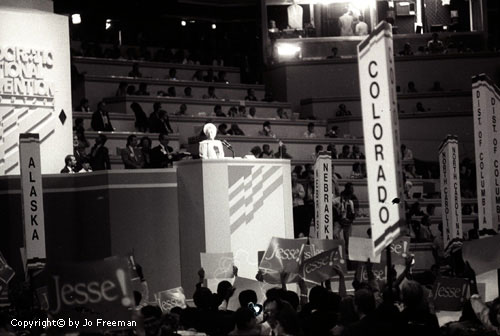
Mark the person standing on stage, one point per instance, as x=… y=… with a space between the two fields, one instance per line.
x=345 y=23
x=211 y=148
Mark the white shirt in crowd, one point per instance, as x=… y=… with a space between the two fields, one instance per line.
x=345 y=22
x=361 y=28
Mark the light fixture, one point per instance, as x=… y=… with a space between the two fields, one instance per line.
x=192 y=21
x=108 y=24
x=183 y=23
x=288 y=49
x=214 y=26
x=76 y=19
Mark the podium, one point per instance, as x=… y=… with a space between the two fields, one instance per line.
x=231 y=205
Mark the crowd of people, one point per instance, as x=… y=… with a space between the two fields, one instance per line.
x=398 y=304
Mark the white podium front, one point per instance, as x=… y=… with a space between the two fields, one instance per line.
x=231 y=205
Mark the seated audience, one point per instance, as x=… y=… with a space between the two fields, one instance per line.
x=221 y=77
x=251 y=113
x=242 y=111
x=411 y=87
x=310 y=131
x=198 y=76
x=266 y=130
x=232 y=112
x=182 y=110
x=99 y=154
x=342 y=111
x=159 y=121
x=282 y=153
x=100 y=119
x=406 y=153
x=131 y=90
x=84 y=106
x=407 y=51
x=250 y=95
x=218 y=111
x=267 y=152
x=317 y=150
x=333 y=150
x=162 y=156
x=356 y=153
x=210 y=76
x=86 y=168
x=69 y=165
x=357 y=172
x=268 y=97
x=435 y=46
x=172 y=74
x=333 y=132
x=145 y=148
x=143 y=90
x=188 y=92
x=122 y=89
x=171 y=92
x=131 y=155
x=235 y=130
x=210 y=93
x=436 y=87
x=222 y=129
x=135 y=71
x=420 y=107
x=334 y=54
x=346 y=153
x=281 y=113
x=141 y=119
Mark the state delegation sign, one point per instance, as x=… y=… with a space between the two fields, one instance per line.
x=451 y=200
x=31 y=183
x=381 y=134
x=485 y=94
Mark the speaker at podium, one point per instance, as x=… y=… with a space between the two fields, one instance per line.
x=231 y=205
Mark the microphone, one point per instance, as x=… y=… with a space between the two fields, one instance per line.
x=227 y=144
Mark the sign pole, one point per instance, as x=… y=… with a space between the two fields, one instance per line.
x=389 y=271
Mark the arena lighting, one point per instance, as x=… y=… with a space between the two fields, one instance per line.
x=183 y=23
x=288 y=49
x=108 y=24
x=76 y=19
x=214 y=26
x=192 y=21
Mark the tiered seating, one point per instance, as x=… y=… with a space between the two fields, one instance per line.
x=121 y=67
x=190 y=125
x=422 y=132
x=194 y=106
x=96 y=87
x=101 y=82
x=450 y=101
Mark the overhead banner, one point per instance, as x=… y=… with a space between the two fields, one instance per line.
x=31 y=185
x=451 y=201
x=485 y=95
x=93 y=295
x=381 y=134
x=323 y=196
